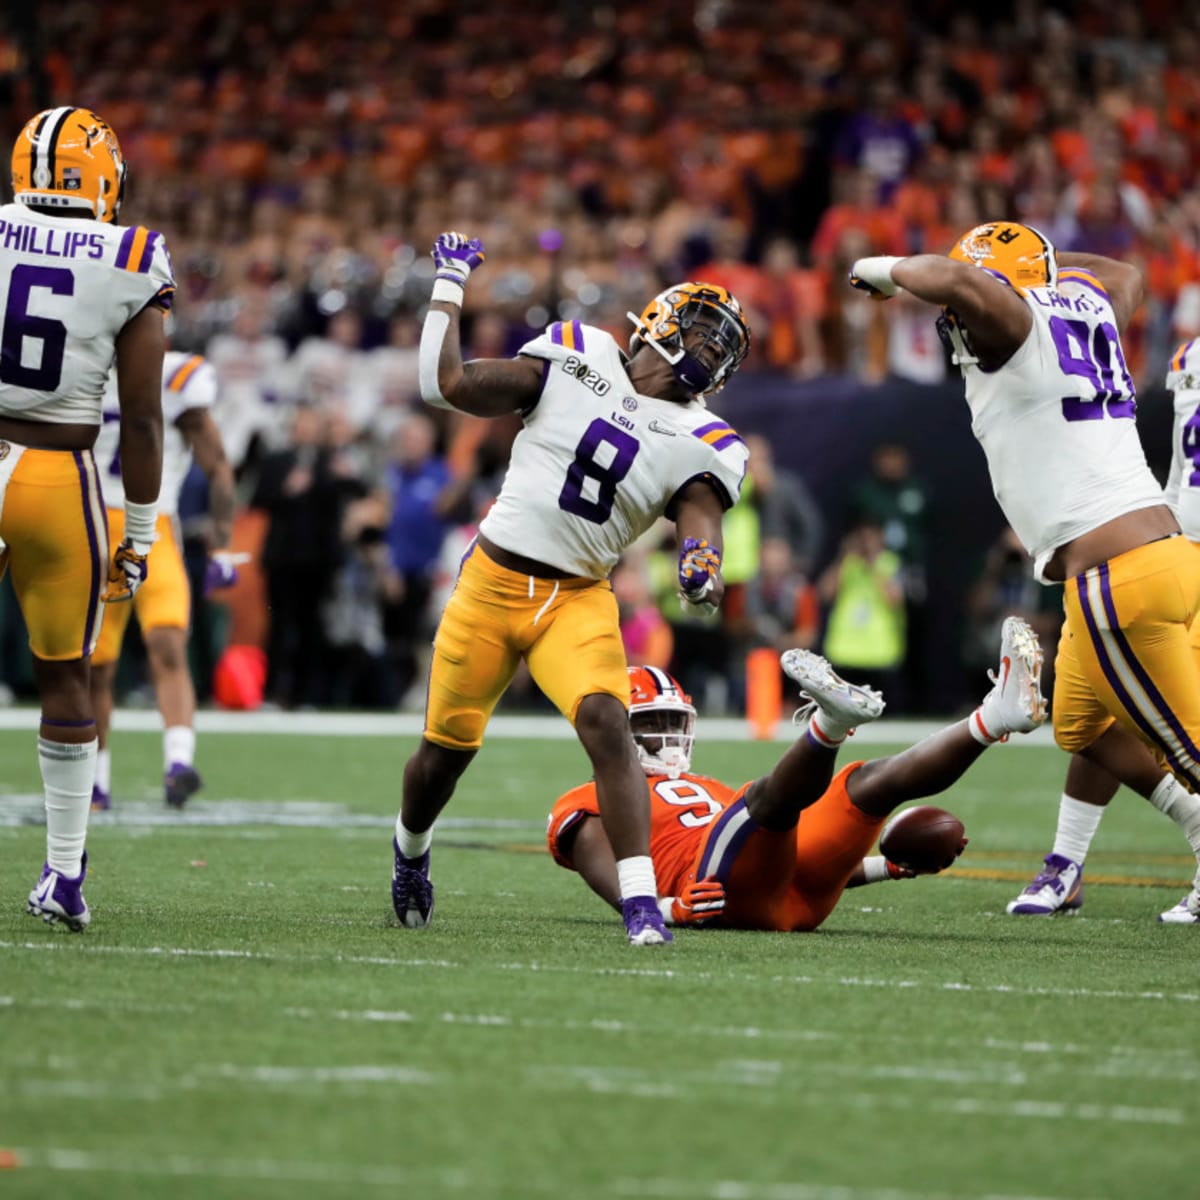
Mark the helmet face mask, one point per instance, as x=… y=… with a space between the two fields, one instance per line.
x=700 y=330
x=68 y=160
x=663 y=722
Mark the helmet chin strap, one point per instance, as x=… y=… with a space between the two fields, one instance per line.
x=689 y=371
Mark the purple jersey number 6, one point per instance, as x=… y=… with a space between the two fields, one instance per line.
x=20 y=324
x=571 y=499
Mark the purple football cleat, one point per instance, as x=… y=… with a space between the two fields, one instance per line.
x=101 y=800
x=412 y=891
x=643 y=922
x=180 y=782
x=1058 y=887
x=59 y=898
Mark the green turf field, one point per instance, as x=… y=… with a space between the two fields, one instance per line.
x=242 y=1021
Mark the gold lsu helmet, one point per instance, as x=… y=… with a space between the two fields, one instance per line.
x=69 y=158
x=1017 y=254
x=714 y=314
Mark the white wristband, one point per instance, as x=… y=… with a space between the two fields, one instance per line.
x=447 y=291
x=139 y=522
x=875 y=869
x=665 y=904
x=433 y=333
x=877 y=271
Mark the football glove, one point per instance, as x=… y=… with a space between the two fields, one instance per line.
x=699 y=566
x=699 y=902
x=127 y=572
x=874 y=276
x=456 y=256
x=221 y=570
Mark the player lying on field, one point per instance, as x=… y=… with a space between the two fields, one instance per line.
x=777 y=853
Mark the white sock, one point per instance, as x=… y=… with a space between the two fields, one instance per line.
x=985 y=726
x=104 y=770
x=1077 y=825
x=68 y=771
x=1174 y=800
x=412 y=845
x=635 y=877
x=827 y=731
x=179 y=745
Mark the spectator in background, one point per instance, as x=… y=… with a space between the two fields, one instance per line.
x=786 y=508
x=644 y=630
x=791 y=303
x=898 y=502
x=325 y=370
x=864 y=635
x=423 y=496
x=250 y=363
x=1007 y=585
x=303 y=490
x=389 y=377
x=879 y=138
x=782 y=607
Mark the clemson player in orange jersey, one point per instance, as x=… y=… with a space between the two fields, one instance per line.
x=78 y=292
x=777 y=853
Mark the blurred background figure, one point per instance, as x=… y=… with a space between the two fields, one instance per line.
x=644 y=630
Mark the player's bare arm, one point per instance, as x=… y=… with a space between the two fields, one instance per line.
x=1123 y=282
x=140 y=346
x=203 y=438
x=697 y=514
x=485 y=387
x=593 y=857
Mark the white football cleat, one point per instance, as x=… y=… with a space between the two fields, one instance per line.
x=1015 y=704
x=847 y=704
x=1187 y=911
x=1057 y=887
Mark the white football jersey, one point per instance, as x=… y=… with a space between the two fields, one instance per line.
x=67 y=289
x=597 y=462
x=189 y=381
x=1183 y=483
x=1056 y=422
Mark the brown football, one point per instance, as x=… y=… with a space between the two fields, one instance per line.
x=923 y=839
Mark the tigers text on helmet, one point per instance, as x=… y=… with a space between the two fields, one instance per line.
x=69 y=159
x=663 y=722
x=702 y=365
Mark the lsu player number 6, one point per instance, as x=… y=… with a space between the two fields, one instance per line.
x=610 y=443
x=77 y=292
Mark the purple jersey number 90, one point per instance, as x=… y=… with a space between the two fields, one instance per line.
x=1093 y=352
x=1191 y=447
x=20 y=324
x=571 y=499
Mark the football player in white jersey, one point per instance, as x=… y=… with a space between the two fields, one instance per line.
x=163 y=605
x=611 y=442
x=1058 y=887
x=1037 y=336
x=78 y=292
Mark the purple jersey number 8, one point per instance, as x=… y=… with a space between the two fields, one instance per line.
x=571 y=499
x=1094 y=354
x=20 y=324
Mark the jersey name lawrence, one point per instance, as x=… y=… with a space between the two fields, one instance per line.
x=597 y=463
x=67 y=289
x=189 y=382
x=1057 y=421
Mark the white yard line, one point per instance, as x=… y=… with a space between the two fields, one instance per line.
x=501 y=728
x=80 y=946
x=348 y=1174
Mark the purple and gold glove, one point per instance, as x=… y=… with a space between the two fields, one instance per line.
x=456 y=256
x=221 y=570
x=126 y=572
x=699 y=566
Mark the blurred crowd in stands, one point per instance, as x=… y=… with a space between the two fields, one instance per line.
x=300 y=159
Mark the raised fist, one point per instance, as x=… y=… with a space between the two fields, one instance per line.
x=456 y=256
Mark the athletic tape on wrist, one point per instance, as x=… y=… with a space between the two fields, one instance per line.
x=433 y=334
x=139 y=522
x=448 y=291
